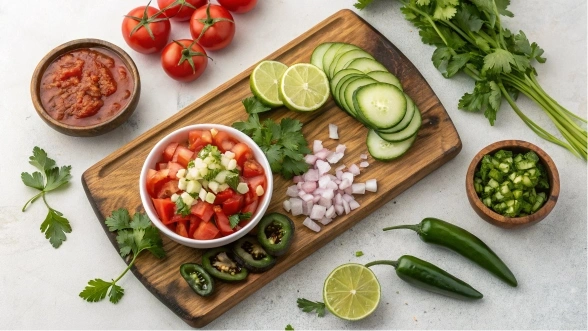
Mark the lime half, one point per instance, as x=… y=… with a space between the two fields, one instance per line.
x=304 y=87
x=351 y=292
x=264 y=82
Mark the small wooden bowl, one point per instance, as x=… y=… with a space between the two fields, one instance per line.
x=516 y=146
x=100 y=128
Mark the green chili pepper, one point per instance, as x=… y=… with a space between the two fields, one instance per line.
x=430 y=277
x=435 y=231
x=198 y=279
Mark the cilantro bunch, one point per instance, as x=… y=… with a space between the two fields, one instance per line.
x=47 y=179
x=283 y=143
x=469 y=37
x=133 y=237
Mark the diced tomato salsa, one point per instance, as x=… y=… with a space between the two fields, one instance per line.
x=207 y=187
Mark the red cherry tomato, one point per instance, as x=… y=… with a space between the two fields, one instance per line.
x=213 y=26
x=137 y=24
x=238 y=6
x=180 y=10
x=184 y=60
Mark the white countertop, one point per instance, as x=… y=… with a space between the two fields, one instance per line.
x=39 y=285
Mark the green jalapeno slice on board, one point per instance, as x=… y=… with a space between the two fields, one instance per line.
x=220 y=263
x=275 y=233
x=438 y=232
x=198 y=279
x=250 y=254
x=429 y=277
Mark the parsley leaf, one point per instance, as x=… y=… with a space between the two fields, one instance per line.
x=283 y=143
x=308 y=306
x=361 y=4
x=236 y=218
x=232 y=180
x=254 y=106
x=49 y=178
x=132 y=237
x=182 y=208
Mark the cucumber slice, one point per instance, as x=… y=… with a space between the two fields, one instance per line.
x=366 y=65
x=339 y=77
x=381 y=105
x=349 y=92
x=345 y=58
x=330 y=55
x=410 y=109
x=409 y=131
x=342 y=86
x=317 y=55
x=383 y=150
x=385 y=77
x=344 y=49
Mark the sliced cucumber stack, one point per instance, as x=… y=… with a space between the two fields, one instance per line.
x=367 y=91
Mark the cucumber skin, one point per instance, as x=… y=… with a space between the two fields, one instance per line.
x=390 y=158
x=359 y=110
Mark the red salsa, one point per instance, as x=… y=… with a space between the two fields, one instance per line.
x=86 y=87
x=207 y=187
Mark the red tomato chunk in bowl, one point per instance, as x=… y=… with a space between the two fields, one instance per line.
x=207 y=187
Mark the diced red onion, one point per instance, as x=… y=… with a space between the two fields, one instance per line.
x=339 y=209
x=310 y=159
x=371 y=185
x=316 y=199
x=287 y=205
x=339 y=174
x=358 y=188
x=344 y=184
x=319 y=191
x=353 y=204
x=364 y=164
x=296 y=206
x=354 y=169
x=301 y=193
x=333 y=131
x=347 y=175
x=299 y=185
x=332 y=185
x=363 y=156
x=322 y=154
x=326 y=221
x=317 y=146
x=325 y=202
x=328 y=194
x=292 y=191
x=309 y=187
x=338 y=199
x=318 y=212
x=334 y=157
x=346 y=206
x=311 y=225
x=330 y=213
x=340 y=148
x=348 y=197
x=312 y=175
x=306 y=207
x=323 y=167
x=307 y=197
x=348 y=190
x=297 y=179
x=323 y=181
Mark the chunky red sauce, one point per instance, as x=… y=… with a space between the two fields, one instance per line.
x=86 y=87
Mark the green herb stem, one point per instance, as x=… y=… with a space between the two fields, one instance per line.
x=127 y=268
x=386 y=262
x=31 y=200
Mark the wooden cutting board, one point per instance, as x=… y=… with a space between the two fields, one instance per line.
x=114 y=182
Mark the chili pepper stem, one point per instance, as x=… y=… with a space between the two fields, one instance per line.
x=387 y=262
x=409 y=227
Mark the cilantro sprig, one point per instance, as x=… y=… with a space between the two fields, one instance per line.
x=254 y=106
x=308 y=306
x=236 y=218
x=470 y=37
x=49 y=178
x=133 y=237
x=283 y=143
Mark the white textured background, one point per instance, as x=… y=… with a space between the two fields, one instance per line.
x=39 y=285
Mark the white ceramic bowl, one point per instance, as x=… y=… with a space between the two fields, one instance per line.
x=181 y=135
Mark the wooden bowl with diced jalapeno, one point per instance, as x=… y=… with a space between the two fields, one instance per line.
x=512 y=184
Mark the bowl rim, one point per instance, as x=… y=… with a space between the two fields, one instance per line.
x=152 y=158
x=552 y=172
x=71 y=46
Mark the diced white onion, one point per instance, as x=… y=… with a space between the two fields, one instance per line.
x=348 y=197
x=311 y=225
x=174 y=197
x=259 y=190
x=326 y=221
x=346 y=207
x=334 y=157
x=364 y=164
x=193 y=186
x=333 y=134
x=332 y=185
x=323 y=167
x=347 y=175
x=182 y=184
x=330 y=213
x=181 y=173
x=363 y=156
x=339 y=209
x=307 y=207
x=318 y=212
x=296 y=205
x=328 y=194
x=353 y=204
x=310 y=159
x=187 y=198
x=230 y=154
x=307 y=197
x=242 y=188
x=325 y=202
x=344 y=184
x=210 y=197
x=322 y=154
x=371 y=185
x=340 y=148
x=292 y=191
x=354 y=169
x=232 y=164
x=213 y=186
x=202 y=194
x=358 y=188
x=213 y=132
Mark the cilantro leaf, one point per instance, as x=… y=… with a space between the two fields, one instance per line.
x=182 y=208
x=291 y=168
x=119 y=220
x=254 y=106
x=289 y=327
x=116 y=293
x=308 y=306
x=235 y=219
x=232 y=180
x=55 y=227
x=361 y=4
x=211 y=174
x=96 y=290
x=498 y=62
x=140 y=221
x=35 y=180
x=126 y=242
x=40 y=160
x=468 y=18
x=57 y=177
x=155 y=243
x=210 y=150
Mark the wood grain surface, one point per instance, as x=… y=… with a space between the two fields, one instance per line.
x=114 y=182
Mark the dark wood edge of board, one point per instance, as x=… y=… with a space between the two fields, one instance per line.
x=196 y=321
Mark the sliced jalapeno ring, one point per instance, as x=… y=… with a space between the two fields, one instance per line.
x=220 y=263
x=275 y=233
x=250 y=254
x=198 y=279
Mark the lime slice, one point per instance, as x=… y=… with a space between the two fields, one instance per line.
x=264 y=82
x=351 y=291
x=304 y=87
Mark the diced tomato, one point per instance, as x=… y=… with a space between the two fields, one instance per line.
x=150 y=173
x=205 y=231
x=168 y=152
x=182 y=156
x=252 y=168
x=194 y=222
x=173 y=167
x=222 y=221
x=203 y=210
x=181 y=229
x=161 y=166
x=250 y=196
x=178 y=218
x=242 y=153
x=165 y=209
x=223 y=196
x=251 y=208
x=156 y=181
x=171 y=226
x=168 y=189
x=233 y=205
x=223 y=141
x=254 y=182
x=198 y=139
